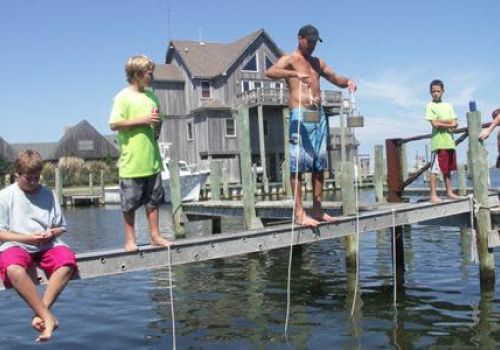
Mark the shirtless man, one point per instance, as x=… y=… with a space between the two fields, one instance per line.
x=308 y=150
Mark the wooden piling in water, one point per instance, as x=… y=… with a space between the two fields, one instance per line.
x=378 y=176
x=349 y=209
x=462 y=174
x=215 y=179
x=175 y=196
x=478 y=156
x=251 y=220
x=395 y=190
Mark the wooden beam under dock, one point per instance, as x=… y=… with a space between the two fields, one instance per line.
x=185 y=251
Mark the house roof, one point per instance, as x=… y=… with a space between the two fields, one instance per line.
x=7 y=152
x=46 y=149
x=167 y=72
x=208 y=60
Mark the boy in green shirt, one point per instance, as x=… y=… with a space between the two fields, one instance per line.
x=134 y=115
x=443 y=119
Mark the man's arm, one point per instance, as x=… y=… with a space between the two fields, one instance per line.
x=283 y=69
x=338 y=80
x=487 y=131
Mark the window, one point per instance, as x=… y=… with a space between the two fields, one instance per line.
x=190 y=131
x=266 y=127
x=269 y=63
x=230 y=127
x=251 y=65
x=246 y=85
x=205 y=89
x=277 y=85
x=257 y=84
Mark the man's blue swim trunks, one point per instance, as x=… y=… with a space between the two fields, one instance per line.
x=311 y=150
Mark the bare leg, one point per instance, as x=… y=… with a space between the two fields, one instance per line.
x=301 y=218
x=57 y=282
x=154 y=227
x=130 y=240
x=449 y=191
x=25 y=287
x=433 y=187
x=318 y=214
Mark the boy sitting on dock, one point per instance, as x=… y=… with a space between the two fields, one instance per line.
x=443 y=120
x=31 y=222
x=135 y=114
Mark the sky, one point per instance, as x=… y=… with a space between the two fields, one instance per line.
x=62 y=61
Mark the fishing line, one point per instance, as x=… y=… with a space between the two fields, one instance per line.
x=289 y=278
x=169 y=257
x=394 y=270
x=356 y=205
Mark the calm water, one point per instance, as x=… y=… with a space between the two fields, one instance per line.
x=240 y=303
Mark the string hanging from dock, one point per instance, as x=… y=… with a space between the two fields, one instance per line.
x=290 y=256
x=394 y=270
x=169 y=264
x=356 y=206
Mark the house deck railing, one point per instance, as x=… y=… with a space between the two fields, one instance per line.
x=273 y=96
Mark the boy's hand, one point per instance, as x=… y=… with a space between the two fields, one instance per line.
x=39 y=238
x=153 y=118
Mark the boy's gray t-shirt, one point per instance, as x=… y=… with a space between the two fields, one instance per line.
x=25 y=213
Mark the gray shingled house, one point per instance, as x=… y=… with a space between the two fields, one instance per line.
x=82 y=141
x=199 y=87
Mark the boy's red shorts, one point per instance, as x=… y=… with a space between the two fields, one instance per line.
x=447 y=160
x=48 y=260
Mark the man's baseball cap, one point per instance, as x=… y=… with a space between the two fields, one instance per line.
x=310 y=33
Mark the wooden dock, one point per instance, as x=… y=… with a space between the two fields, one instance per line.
x=185 y=251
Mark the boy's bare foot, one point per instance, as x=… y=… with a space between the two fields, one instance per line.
x=435 y=199
x=37 y=323
x=325 y=217
x=131 y=247
x=49 y=325
x=161 y=241
x=452 y=195
x=306 y=221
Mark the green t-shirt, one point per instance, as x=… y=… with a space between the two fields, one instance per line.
x=139 y=152
x=442 y=138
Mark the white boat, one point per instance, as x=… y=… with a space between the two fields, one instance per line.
x=191 y=182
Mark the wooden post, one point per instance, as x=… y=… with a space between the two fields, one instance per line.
x=395 y=184
x=59 y=185
x=287 y=187
x=262 y=146
x=404 y=162
x=251 y=220
x=215 y=179
x=349 y=208
x=102 y=185
x=479 y=158
x=378 y=176
x=91 y=183
x=225 y=181
x=175 y=196
x=462 y=174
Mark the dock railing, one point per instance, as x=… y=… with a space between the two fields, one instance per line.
x=395 y=181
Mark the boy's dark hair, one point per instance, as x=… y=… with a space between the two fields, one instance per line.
x=436 y=82
x=495 y=113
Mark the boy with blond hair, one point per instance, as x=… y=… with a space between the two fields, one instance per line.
x=31 y=222
x=135 y=114
x=443 y=120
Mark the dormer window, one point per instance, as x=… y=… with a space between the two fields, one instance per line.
x=205 y=89
x=251 y=65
